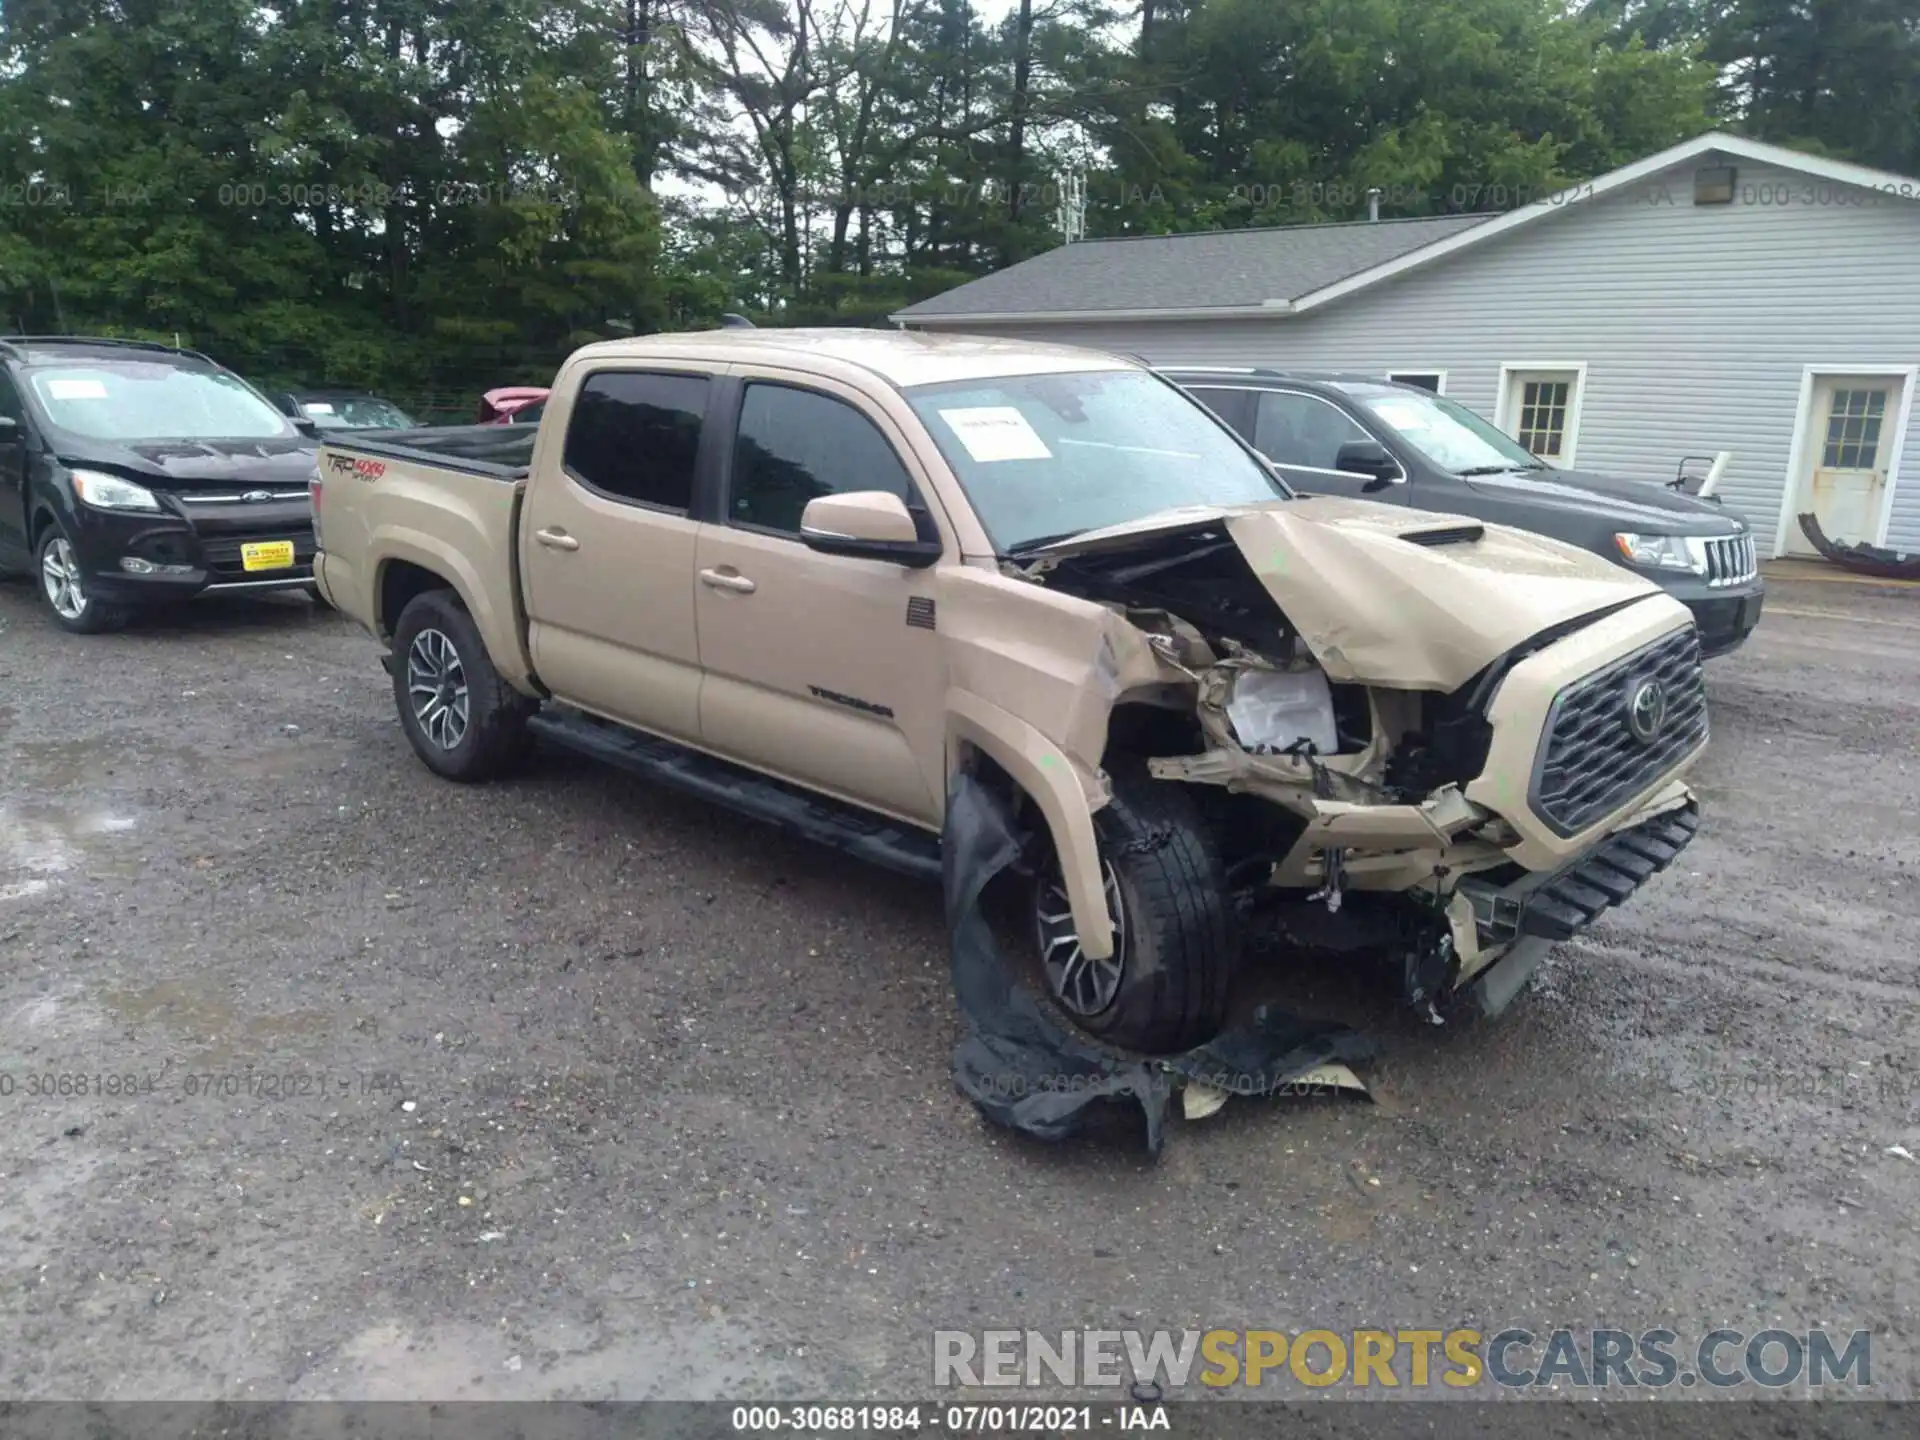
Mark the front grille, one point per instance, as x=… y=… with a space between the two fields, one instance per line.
x=1731 y=561
x=221 y=555
x=1591 y=763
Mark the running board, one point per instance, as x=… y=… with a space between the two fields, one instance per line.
x=859 y=833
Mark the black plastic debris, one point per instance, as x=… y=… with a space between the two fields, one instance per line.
x=1030 y=1071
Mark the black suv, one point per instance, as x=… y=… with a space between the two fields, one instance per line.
x=1372 y=439
x=133 y=473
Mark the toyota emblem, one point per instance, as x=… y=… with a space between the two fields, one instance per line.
x=1647 y=711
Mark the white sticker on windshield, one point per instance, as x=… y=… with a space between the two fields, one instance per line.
x=75 y=390
x=996 y=432
x=319 y=407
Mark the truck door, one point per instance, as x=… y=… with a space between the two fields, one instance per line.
x=13 y=472
x=607 y=549
x=824 y=669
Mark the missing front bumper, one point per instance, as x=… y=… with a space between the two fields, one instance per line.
x=1559 y=905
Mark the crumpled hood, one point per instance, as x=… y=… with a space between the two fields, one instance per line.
x=1377 y=607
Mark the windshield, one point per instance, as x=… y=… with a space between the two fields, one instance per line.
x=1450 y=435
x=132 y=400
x=355 y=412
x=1043 y=457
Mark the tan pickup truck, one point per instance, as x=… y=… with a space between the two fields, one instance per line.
x=816 y=575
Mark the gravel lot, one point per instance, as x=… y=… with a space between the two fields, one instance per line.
x=570 y=1086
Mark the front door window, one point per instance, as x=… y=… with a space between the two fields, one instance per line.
x=1853 y=429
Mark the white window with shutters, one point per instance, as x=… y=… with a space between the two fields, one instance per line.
x=1540 y=407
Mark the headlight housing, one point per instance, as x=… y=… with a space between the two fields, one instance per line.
x=1658 y=552
x=110 y=492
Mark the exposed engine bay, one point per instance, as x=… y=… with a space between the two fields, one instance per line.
x=1341 y=805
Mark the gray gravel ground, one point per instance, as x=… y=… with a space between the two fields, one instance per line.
x=568 y=1086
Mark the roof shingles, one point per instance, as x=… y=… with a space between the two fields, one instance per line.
x=1199 y=270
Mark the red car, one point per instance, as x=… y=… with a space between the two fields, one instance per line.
x=513 y=405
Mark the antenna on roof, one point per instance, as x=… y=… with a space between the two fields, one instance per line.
x=730 y=321
x=1071 y=213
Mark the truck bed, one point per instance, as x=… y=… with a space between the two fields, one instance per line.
x=416 y=508
x=504 y=452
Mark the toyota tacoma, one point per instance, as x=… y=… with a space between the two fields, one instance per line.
x=820 y=575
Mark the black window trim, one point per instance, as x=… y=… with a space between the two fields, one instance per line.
x=925 y=526
x=1405 y=474
x=700 y=461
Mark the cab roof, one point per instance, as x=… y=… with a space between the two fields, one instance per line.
x=903 y=357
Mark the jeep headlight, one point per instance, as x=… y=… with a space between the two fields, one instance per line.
x=110 y=492
x=1657 y=552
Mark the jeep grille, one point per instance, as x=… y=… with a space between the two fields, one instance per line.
x=1591 y=762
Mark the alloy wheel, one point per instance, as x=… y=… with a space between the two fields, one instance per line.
x=1081 y=984
x=437 y=686
x=60 y=575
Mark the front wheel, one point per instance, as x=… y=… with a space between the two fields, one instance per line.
x=462 y=719
x=1176 y=938
x=63 y=587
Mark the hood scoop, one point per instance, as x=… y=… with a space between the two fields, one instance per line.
x=1464 y=533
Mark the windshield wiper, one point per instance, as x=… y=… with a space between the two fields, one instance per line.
x=1497 y=469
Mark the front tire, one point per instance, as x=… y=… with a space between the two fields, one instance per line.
x=461 y=718
x=1166 y=987
x=63 y=587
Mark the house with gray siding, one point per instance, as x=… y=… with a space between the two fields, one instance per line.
x=1722 y=295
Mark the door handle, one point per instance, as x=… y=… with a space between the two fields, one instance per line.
x=723 y=580
x=556 y=539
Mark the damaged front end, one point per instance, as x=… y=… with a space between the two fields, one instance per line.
x=1421 y=734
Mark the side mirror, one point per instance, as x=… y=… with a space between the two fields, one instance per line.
x=306 y=426
x=868 y=525
x=1369 y=458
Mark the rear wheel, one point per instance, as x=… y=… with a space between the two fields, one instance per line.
x=462 y=719
x=64 y=588
x=1176 y=939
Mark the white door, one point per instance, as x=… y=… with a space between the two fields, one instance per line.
x=1845 y=472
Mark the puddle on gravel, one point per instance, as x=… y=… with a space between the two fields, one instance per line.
x=37 y=849
x=198 y=1013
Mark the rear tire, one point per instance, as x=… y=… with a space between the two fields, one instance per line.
x=63 y=587
x=461 y=718
x=1178 y=941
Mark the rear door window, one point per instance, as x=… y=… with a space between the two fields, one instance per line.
x=796 y=445
x=1231 y=405
x=634 y=436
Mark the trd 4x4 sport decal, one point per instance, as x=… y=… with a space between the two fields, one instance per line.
x=352 y=465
